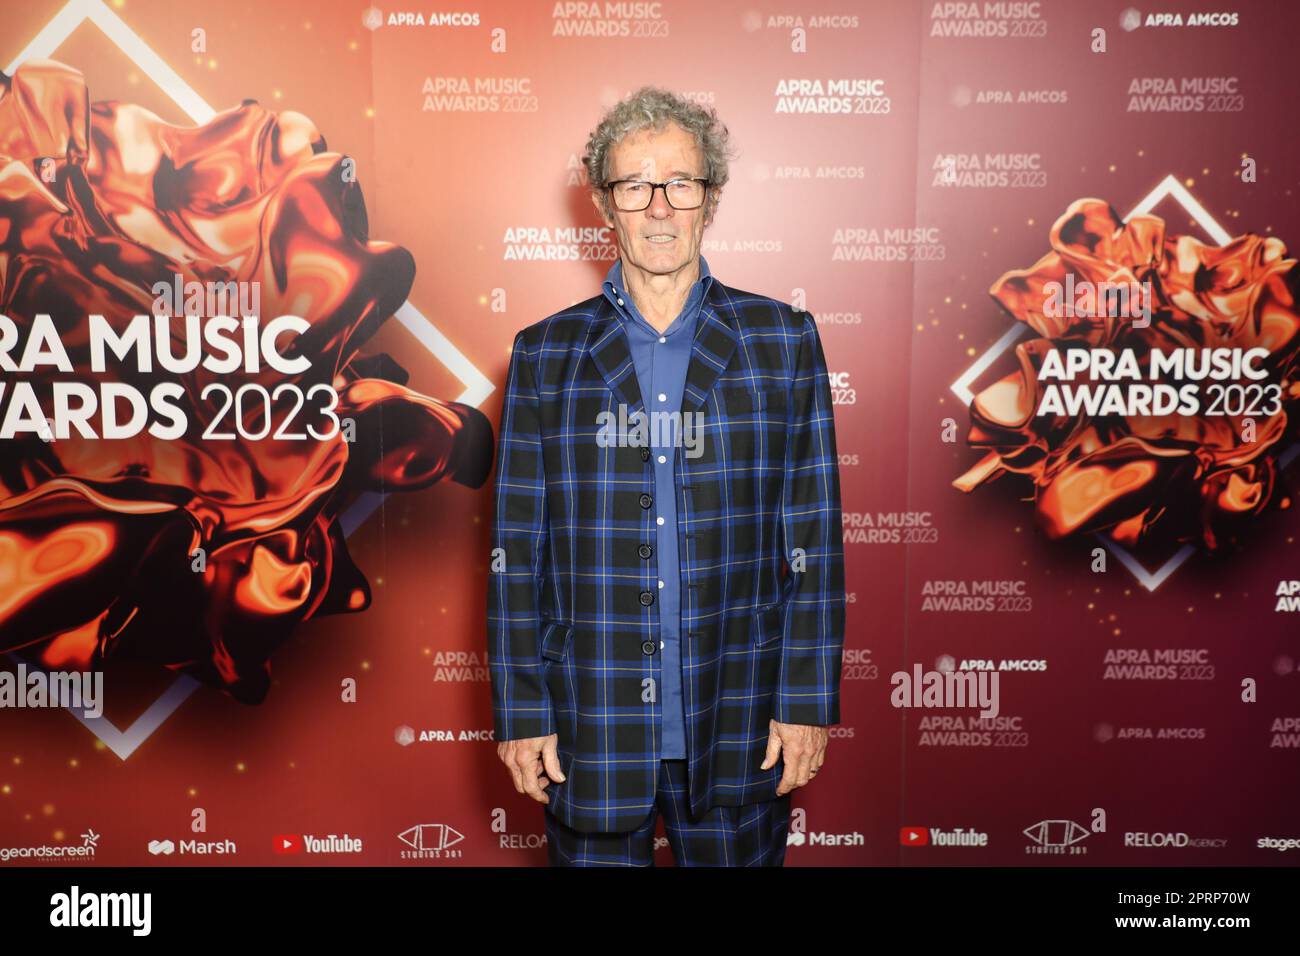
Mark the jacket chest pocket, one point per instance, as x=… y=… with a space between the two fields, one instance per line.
x=745 y=403
x=767 y=625
x=556 y=638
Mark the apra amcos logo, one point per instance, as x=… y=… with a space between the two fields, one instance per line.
x=431 y=841
x=799 y=834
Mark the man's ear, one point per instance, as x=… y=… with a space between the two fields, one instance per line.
x=598 y=200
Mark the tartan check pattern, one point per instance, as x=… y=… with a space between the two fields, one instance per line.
x=753 y=835
x=572 y=615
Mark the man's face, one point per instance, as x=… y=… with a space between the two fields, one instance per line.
x=658 y=239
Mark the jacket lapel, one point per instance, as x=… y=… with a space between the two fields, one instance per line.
x=711 y=351
x=715 y=342
x=613 y=357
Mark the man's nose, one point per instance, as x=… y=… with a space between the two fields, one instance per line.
x=659 y=208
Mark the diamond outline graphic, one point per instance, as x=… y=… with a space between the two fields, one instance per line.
x=477 y=385
x=1167 y=188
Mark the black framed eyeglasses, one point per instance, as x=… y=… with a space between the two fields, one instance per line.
x=633 y=195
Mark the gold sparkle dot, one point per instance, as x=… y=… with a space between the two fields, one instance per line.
x=18 y=761
x=352 y=45
x=428 y=652
x=1205 y=172
x=1117 y=632
x=73 y=763
x=1189 y=182
x=6 y=789
x=58 y=836
x=1031 y=222
x=48 y=809
x=947 y=299
x=276 y=94
x=1112 y=167
x=370 y=112
x=970 y=351
x=192 y=792
x=365 y=665
x=240 y=767
x=212 y=64
x=1142 y=152
x=920 y=327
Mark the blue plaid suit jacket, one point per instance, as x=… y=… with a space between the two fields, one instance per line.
x=572 y=620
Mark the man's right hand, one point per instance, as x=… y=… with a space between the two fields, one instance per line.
x=534 y=762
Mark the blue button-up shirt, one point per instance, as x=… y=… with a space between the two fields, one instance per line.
x=661 y=361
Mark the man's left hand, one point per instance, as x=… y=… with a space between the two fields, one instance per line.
x=803 y=748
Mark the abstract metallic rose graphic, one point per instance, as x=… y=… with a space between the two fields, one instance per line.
x=200 y=555
x=1185 y=478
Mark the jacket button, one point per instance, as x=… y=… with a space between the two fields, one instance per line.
x=645 y=453
x=647 y=598
x=645 y=551
x=646 y=501
x=647 y=647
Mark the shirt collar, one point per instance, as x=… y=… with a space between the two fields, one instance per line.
x=614 y=289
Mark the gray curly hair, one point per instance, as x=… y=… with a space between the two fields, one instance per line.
x=653 y=108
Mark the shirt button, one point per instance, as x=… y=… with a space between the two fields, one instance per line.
x=663 y=397
x=661 y=584
x=662 y=459
x=620 y=301
x=646 y=501
x=645 y=551
x=662 y=339
x=659 y=520
x=647 y=598
x=648 y=647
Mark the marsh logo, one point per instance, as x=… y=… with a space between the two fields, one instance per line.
x=192 y=847
x=431 y=841
x=129 y=910
x=799 y=834
x=1056 y=838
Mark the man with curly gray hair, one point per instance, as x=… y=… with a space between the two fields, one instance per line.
x=665 y=629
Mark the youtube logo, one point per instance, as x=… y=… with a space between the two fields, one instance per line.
x=288 y=844
x=914 y=836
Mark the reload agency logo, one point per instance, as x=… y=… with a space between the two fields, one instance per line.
x=933 y=836
x=54 y=853
x=1171 y=840
x=1056 y=838
x=77 y=909
x=292 y=843
x=192 y=847
x=431 y=841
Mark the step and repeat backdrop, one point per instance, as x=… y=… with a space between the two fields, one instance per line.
x=1047 y=247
